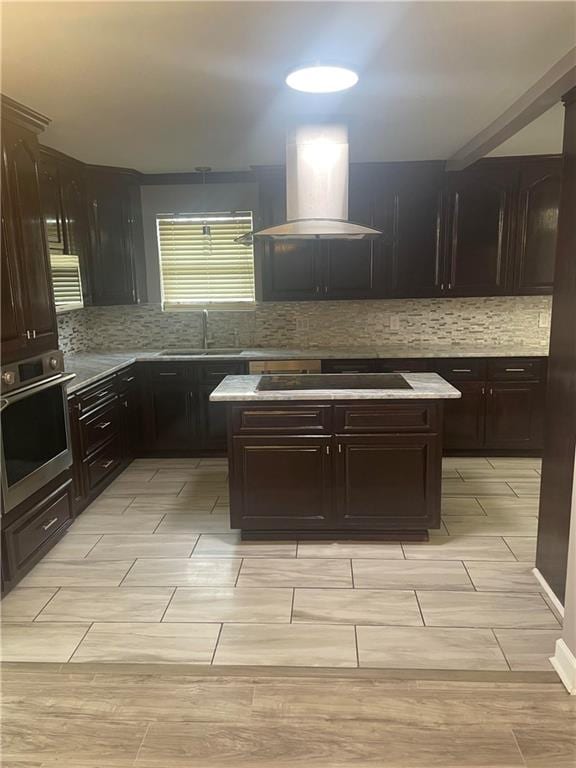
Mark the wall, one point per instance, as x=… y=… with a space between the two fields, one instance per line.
x=504 y=321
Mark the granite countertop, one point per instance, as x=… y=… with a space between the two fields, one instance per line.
x=424 y=386
x=91 y=366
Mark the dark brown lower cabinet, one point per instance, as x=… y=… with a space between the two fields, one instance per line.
x=374 y=485
x=171 y=424
x=281 y=482
x=514 y=415
x=387 y=482
x=178 y=414
x=464 y=418
x=31 y=529
x=212 y=420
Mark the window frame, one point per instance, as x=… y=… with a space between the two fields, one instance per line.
x=218 y=304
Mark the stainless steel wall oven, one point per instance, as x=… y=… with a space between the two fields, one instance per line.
x=35 y=444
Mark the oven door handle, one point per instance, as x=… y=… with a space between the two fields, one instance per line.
x=32 y=389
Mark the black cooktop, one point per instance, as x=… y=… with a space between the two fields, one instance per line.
x=308 y=381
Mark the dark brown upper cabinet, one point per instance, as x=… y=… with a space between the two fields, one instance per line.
x=29 y=311
x=352 y=268
x=76 y=220
x=477 y=219
x=65 y=204
x=300 y=270
x=292 y=269
x=51 y=191
x=537 y=224
x=116 y=234
x=408 y=211
x=489 y=230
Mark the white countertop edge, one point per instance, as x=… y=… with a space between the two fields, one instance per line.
x=425 y=386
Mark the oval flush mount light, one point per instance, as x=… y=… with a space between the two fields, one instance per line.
x=321 y=79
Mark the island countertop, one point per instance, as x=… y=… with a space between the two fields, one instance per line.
x=423 y=386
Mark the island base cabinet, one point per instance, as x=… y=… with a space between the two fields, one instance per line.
x=280 y=483
x=383 y=485
x=387 y=482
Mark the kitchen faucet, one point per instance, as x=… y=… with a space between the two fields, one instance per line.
x=204 y=329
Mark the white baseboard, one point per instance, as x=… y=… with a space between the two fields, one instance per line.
x=550 y=594
x=564 y=662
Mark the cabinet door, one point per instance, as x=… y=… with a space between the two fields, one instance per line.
x=478 y=207
x=12 y=325
x=351 y=267
x=292 y=270
x=213 y=425
x=78 y=479
x=539 y=199
x=514 y=415
x=387 y=482
x=21 y=155
x=114 y=279
x=171 y=416
x=76 y=221
x=52 y=202
x=464 y=418
x=280 y=483
x=409 y=213
x=130 y=421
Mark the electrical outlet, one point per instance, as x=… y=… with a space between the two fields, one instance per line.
x=302 y=324
x=543 y=320
x=394 y=322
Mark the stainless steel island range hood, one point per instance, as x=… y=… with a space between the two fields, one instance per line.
x=317 y=187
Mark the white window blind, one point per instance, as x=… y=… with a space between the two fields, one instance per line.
x=66 y=281
x=200 y=260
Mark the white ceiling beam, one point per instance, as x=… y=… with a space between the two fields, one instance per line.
x=534 y=102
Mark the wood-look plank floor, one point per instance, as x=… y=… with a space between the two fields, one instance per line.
x=152 y=572
x=153 y=716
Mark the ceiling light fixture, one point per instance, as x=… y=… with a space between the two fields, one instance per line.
x=321 y=79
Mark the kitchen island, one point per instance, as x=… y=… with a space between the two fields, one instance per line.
x=341 y=456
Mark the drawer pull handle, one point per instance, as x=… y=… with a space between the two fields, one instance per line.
x=104 y=424
x=107 y=464
x=461 y=370
x=102 y=393
x=166 y=373
x=129 y=379
x=50 y=524
x=515 y=370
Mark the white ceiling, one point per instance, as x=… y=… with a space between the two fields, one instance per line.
x=166 y=86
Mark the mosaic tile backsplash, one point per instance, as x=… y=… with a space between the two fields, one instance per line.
x=520 y=320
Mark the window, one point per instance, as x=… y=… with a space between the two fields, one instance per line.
x=201 y=261
x=66 y=281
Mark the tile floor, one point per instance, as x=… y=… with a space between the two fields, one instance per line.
x=151 y=572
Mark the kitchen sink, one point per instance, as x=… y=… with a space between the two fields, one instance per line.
x=201 y=352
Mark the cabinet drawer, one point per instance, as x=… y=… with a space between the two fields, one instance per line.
x=465 y=369
x=30 y=535
x=295 y=420
x=514 y=369
x=213 y=373
x=126 y=379
x=104 y=462
x=96 y=395
x=368 y=418
x=98 y=427
x=401 y=365
x=348 y=366
x=169 y=371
